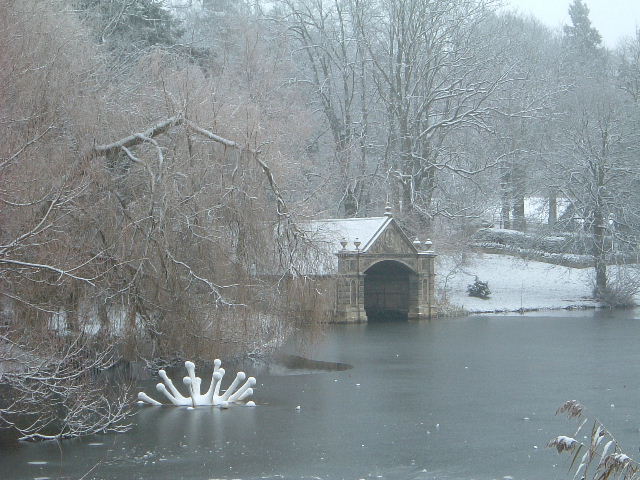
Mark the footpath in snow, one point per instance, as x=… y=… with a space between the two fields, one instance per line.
x=515 y=284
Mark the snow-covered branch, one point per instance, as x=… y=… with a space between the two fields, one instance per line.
x=42 y=266
x=135 y=139
x=56 y=392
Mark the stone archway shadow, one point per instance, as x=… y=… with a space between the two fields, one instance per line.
x=389 y=291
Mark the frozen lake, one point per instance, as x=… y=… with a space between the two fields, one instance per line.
x=467 y=398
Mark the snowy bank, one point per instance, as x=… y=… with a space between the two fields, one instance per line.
x=516 y=284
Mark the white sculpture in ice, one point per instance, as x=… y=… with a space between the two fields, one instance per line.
x=211 y=397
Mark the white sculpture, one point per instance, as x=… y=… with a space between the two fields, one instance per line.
x=211 y=397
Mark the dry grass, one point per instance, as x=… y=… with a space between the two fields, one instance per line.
x=601 y=456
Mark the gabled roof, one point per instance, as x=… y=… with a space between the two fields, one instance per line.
x=333 y=231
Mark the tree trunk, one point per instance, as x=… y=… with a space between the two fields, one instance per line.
x=599 y=231
x=407 y=198
x=518 y=185
x=350 y=203
x=103 y=317
x=519 y=222
x=73 y=314
x=601 y=278
x=599 y=254
x=129 y=350
x=505 y=198
x=553 y=207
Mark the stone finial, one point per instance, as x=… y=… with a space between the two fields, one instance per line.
x=428 y=244
x=417 y=244
x=357 y=243
x=344 y=243
x=387 y=210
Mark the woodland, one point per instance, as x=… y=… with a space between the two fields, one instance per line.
x=158 y=157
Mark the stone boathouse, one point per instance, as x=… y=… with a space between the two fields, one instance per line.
x=378 y=272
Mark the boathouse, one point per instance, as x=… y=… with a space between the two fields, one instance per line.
x=377 y=271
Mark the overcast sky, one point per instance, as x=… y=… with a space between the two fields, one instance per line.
x=614 y=19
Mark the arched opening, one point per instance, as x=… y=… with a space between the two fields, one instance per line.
x=387 y=291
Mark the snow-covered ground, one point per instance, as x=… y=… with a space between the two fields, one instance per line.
x=515 y=284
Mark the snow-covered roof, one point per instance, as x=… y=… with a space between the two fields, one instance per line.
x=333 y=231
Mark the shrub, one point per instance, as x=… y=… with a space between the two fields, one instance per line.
x=479 y=289
x=622 y=287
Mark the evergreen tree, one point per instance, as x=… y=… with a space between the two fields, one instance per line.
x=129 y=25
x=581 y=37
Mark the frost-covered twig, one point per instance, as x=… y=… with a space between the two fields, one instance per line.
x=214 y=288
x=56 y=393
x=24 y=147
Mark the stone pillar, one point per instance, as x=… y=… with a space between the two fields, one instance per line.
x=349 y=290
x=424 y=280
x=429 y=283
x=415 y=297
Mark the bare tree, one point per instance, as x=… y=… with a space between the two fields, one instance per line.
x=399 y=81
x=334 y=66
x=628 y=68
x=524 y=131
x=436 y=74
x=602 y=140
